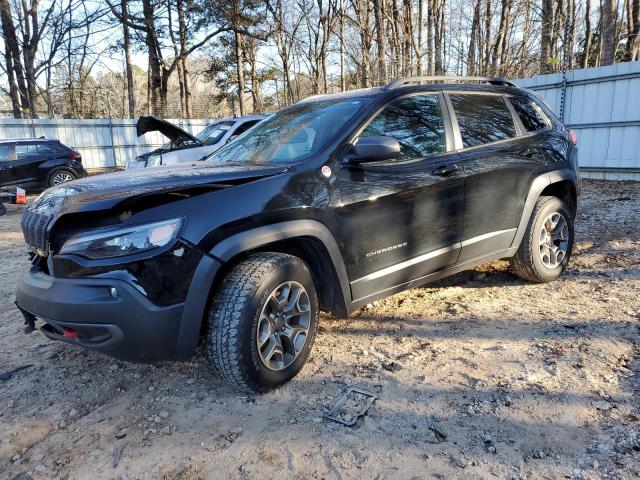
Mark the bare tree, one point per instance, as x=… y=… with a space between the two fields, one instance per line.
x=127 y=57
x=633 y=37
x=609 y=19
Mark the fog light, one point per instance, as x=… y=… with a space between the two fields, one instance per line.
x=114 y=292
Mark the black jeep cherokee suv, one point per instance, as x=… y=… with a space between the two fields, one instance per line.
x=330 y=204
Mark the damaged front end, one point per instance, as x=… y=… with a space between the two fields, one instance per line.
x=111 y=265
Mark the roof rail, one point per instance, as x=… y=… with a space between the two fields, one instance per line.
x=401 y=82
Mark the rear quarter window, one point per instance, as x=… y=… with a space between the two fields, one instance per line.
x=46 y=149
x=482 y=118
x=530 y=114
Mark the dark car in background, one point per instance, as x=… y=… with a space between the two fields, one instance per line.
x=35 y=164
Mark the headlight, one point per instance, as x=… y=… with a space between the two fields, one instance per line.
x=154 y=161
x=117 y=242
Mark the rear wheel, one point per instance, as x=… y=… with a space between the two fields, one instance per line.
x=546 y=247
x=59 y=176
x=262 y=322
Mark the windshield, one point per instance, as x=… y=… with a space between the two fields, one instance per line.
x=291 y=134
x=214 y=132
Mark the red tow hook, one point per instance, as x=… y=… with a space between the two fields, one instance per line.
x=70 y=334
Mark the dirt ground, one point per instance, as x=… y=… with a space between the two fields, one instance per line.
x=481 y=375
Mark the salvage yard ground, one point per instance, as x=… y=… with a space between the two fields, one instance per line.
x=481 y=375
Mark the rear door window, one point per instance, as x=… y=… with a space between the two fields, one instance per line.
x=530 y=114
x=416 y=122
x=482 y=118
x=26 y=150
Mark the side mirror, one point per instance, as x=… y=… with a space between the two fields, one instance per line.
x=374 y=149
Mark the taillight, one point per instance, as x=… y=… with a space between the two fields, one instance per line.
x=573 y=137
x=73 y=155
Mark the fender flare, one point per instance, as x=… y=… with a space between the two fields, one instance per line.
x=537 y=186
x=209 y=266
x=260 y=236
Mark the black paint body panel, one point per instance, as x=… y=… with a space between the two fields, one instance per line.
x=382 y=227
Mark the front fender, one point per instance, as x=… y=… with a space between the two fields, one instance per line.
x=208 y=270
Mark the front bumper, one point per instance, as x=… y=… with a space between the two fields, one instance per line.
x=84 y=312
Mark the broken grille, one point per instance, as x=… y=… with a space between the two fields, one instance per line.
x=34 y=229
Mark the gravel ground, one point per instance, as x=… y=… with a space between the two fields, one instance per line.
x=477 y=376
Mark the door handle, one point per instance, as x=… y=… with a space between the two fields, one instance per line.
x=445 y=170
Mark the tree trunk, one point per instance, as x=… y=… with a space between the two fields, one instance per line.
x=473 y=44
x=378 y=6
x=158 y=100
x=431 y=23
x=439 y=43
x=587 y=33
x=240 y=71
x=609 y=15
x=256 y=92
x=498 y=47
x=418 y=43
x=343 y=85
x=127 y=58
x=182 y=34
x=633 y=39
x=12 y=46
x=13 y=86
x=547 y=28
x=526 y=33
x=13 y=66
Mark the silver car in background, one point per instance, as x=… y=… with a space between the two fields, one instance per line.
x=184 y=147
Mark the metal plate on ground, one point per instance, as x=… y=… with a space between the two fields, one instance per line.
x=352 y=405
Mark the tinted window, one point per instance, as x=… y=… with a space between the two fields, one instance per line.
x=416 y=122
x=26 y=150
x=45 y=149
x=4 y=153
x=530 y=114
x=482 y=119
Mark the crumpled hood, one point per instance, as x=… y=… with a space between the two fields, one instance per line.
x=102 y=192
x=174 y=133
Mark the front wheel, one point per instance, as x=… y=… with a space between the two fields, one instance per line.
x=262 y=322
x=546 y=247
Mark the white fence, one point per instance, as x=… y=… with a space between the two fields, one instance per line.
x=602 y=105
x=102 y=143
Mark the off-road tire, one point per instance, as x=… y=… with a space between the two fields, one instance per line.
x=233 y=317
x=527 y=263
x=56 y=171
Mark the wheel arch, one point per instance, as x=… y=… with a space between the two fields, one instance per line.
x=309 y=240
x=558 y=183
